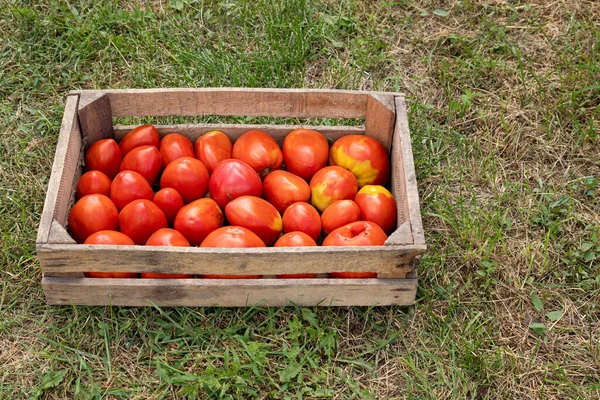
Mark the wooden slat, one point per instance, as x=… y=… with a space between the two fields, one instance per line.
x=410 y=177
x=230 y=293
x=194 y=260
x=402 y=235
x=64 y=168
x=95 y=117
x=279 y=132
x=298 y=103
x=58 y=234
x=380 y=118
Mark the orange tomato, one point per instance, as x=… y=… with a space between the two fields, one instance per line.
x=257 y=215
x=212 y=148
x=174 y=146
x=259 y=150
x=364 y=156
x=305 y=151
x=282 y=188
x=339 y=213
x=302 y=217
x=330 y=184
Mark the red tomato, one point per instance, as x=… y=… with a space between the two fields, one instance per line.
x=104 y=156
x=166 y=237
x=231 y=179
x=295 y=239
x=364 y=156
x=109 y=237
x=129 y=186
x=339 y=213
x=143 y=135
x=197 y=219
x=330 y=184
x=302 y=217
x=377 y=205
x=188 y=176
x=145 y=160
x=140 y=219
x=93 y=182
x=305 y=151
x=360 y=233
x=212 y=148
x=92 y=213
x=259 y=150
x=232 y=236
x=282 y=188
x=174 y=146
x=257 y=215
x=170 y=202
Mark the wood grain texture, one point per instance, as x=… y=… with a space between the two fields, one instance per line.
x=279 y=132
x=402 y=235
x=380 y=118
x=66 y=159
x=230 y=293
x=299 y=103
x=59 y=235
x=95 y=117
x=194 y=260
x=410 y=177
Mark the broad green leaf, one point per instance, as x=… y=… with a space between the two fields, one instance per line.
x=538 y=328
x=555 y=315
x=290 y=372
x=440 y=12
x=537 y=302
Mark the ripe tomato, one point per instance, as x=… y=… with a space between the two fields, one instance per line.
x=364 y=156
x=257 y=215
x=282 y=188
x=305 y=151
x=145 y=160
x=197 y=219
x=93 y=182
x=377 y=205
x=104 y=156
x=259 y=150
x=231 y=179
x=339 y=213
x=92 y=213
x=295 y=239
x=174 y=146
x=302 y=217
x=330 y=184
x=360 y=233
x=143 y=135
x=166 y=237
x=212 y=148
x=129 y=186
x=109 y=237
x=170 y=202
x=188 y=176
x=140 y=219
x=232 y=236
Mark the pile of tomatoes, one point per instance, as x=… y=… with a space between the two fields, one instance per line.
x=146 y=190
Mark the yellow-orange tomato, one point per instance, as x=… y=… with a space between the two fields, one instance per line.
x=377 y=205
x=330 y=184
x=282 y=189
x=364 y=156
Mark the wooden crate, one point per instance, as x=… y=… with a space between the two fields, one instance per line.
x=89 y=117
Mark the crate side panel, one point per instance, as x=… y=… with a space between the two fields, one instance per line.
x=194 y=260
x=230 y=293
x=95 y=117
x=380 y=118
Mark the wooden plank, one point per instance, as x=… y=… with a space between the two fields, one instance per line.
x=194 y=260
x=297 y=103
x=410 y=176
x=58 y=234
x=402 y=235
x=230 y=293
x=95 y=117
x=279 y=132
x=380 y=118
x=58 y=196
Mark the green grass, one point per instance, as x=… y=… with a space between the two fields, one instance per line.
x=504 y=112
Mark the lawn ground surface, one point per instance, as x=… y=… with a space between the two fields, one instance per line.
x=504 y=103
